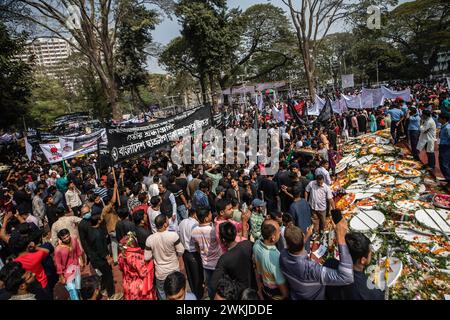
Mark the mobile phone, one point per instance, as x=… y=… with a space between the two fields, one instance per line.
x=336 y=215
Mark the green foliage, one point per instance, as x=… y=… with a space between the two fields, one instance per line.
x=15 y=79
x=49 y=99
x=420 y=29
x=207 y=30
x=134 y=36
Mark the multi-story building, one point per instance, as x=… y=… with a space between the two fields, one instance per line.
x=49 y=57
x=443 y=62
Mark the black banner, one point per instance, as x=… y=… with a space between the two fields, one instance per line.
x=76 y=116
x=217 y=120
x=127 y=142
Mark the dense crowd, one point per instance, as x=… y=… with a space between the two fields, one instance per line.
x=223 y=232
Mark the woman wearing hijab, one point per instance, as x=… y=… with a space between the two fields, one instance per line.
x=137 y=274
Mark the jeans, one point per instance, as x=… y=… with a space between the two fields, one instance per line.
x=208 y=277
x=74 y=286
x=444 y=160
x=414 y=139
x=182 y=213
x=73 y=291
x=160 y=289
x=394 y=131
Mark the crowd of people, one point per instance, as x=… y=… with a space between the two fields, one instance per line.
x=191 y=232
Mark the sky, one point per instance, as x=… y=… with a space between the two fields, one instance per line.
x=170 y=29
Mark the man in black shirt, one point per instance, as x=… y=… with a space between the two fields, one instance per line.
x=242 y=272
x=235 y=191
x=180 y=198
x=124 y=225
x=141 y=232
x=271 y=192
x=50 y=210
x=99 y=255
x=359 y=247
x=23 y=196
x=284 y=182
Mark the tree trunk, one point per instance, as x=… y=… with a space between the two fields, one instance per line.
x=310 y=73
x=204 y=88
x=212 y=86
x=113 y=101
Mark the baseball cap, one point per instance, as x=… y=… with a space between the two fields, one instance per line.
x=258 y=203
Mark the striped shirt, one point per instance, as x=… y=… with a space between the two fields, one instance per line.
x=102 y=192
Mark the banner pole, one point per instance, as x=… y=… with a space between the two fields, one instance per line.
x=64 y=166
x=115 y=182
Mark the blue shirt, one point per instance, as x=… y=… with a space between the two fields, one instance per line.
x=396 y=114
x=414 y=122
x=445 y=134
x=301 y=212
x=404 y=109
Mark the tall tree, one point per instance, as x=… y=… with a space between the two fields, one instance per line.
x=313 y=20
x=208 y=32
x=264 y=44
x=420 y=29
x=90 y=27
x=134 y=37
x=16 y=78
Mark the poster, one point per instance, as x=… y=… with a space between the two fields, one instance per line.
x=83 y=144
x=348 y=81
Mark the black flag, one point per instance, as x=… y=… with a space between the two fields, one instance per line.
x=326 y=112
x=295 y=113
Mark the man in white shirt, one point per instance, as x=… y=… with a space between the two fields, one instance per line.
x=427 y=138
x=73 y=199
x=164 y=247
x=153 y=211
x=323 y=171
x=191 y=258
x=153 y=188
x=320 y=198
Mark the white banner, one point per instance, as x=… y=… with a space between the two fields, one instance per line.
x=52 y=152
x=376 y=94
x=391 y=94
x=76 y=146
x=314 y=110
x=348 y=81
x=353 y=102
x=28 y=149
x=339 y=106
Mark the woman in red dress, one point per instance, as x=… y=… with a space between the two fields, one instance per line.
x=137 y=275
